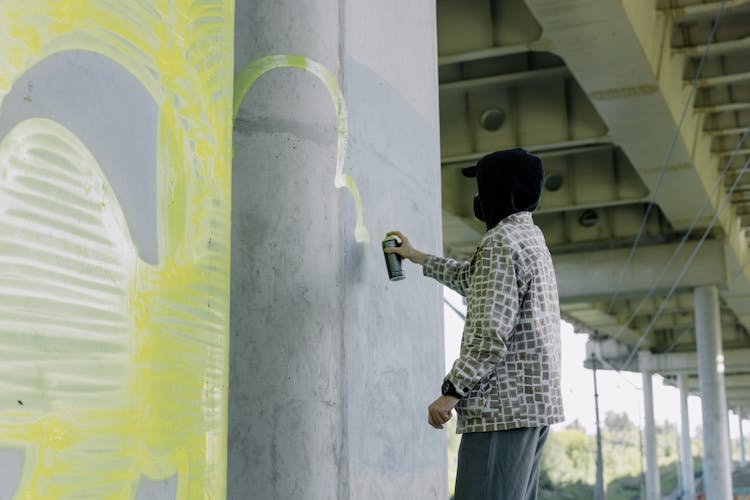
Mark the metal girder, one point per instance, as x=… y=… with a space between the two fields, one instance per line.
x=603 y=268
x=736 y=380
x=590 y=317
x=641 y=105
x=639 y=102
x=735 y=361
x=541 y=150
x=678 y=303
x=476 y=55
x=701 y=11
x=507 y=79
x=728 y=153
x=716 y=47
x=722 y=108
x=736 y=393
x=724 y=79
x=726 y=131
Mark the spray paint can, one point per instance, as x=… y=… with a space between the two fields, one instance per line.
x=393 y=260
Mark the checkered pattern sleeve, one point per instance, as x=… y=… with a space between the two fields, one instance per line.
x=492 y=310
x=451 y=273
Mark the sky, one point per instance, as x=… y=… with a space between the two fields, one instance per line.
x=620 y=392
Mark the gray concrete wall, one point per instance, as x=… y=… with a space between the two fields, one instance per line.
x=332 y=366
x=99 y=101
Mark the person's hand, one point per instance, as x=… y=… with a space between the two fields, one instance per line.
x=441 y=410
x=406 y=250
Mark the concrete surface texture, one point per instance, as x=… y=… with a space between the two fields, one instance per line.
x=115 y=157
x=332 y=366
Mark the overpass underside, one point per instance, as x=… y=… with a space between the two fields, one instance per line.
x=639 y=110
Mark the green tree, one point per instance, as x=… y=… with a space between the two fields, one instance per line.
x=568 y=456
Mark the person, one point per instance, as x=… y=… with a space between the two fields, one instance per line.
x=505 y=385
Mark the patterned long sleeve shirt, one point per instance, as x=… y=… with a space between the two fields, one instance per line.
x=509 y=367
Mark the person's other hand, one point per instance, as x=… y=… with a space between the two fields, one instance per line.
x=406 y=249
x=441 y=410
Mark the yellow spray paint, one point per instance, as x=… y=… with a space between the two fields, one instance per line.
x=112 y=369
x=257 y=68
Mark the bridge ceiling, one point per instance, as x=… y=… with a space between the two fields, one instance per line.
x=597 y=88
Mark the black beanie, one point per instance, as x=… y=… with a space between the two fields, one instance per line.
x=508 y=181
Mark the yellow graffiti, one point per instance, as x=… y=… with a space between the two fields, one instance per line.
x=257 y=68
x=112 y=369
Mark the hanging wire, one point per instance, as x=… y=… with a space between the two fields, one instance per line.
x=686 y=236
x=455 y=309
x=619 y=372
x=667 y=157
x=687 y=264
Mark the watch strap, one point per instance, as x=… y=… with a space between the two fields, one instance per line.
x=449 y=389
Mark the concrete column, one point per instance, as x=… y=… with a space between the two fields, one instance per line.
x=740 y=416
x=332 y=366
x=686 y=457
x=717 y=467
x=653 y=489
x=732 y=463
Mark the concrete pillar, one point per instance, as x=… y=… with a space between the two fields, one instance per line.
x=740 y=416
x=732 y=463
x=653 y=488
x=716 y=461
x=686 y=457
x=332 y=366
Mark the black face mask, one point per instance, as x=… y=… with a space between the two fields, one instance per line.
x=508 y=182
x=478 y=213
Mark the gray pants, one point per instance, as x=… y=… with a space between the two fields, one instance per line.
x=500 y=465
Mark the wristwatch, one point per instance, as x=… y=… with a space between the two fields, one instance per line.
x=449 y=389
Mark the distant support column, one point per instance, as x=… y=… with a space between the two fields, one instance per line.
x=741 y=415
x=717 y=468
x=653 y=489
x=732 y=463
x=686 y=457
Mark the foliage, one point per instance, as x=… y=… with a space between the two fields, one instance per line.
x=629 y=487
x=569 y=457
x=569 y=461
x=568 y=491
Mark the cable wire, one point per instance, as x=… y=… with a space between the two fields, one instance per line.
x=667 y=157
x=686 y=236
x=723 y=204
x=455 y=309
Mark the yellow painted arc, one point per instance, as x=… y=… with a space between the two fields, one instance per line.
x=257 y=68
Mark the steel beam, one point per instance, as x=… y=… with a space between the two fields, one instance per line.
x=505 y=80
x=602 y=269
x=701 y=11
x=476 y=55
x=551 y=150
x=734 y=361
x=723 y=79
x=717 y=48
x=721 y=108
x=731 y=380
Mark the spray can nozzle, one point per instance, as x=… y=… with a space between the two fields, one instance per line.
x=393 y=260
